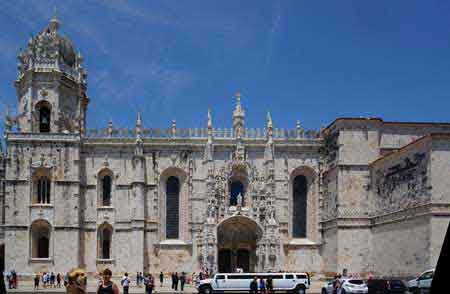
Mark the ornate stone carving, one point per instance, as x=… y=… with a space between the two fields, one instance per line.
x=403 y=184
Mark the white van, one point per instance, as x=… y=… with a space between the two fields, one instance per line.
x=240 y=282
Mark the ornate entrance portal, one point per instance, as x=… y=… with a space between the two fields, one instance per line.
x=237 y=239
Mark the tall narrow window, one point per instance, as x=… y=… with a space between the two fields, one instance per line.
x=104 y=241
x=106 y=190
x=40 y=239
x=172 y=208
x=300 y=194
x=236 y=188
x=44 y=119
x=43 y=190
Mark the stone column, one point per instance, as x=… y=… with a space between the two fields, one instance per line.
x=138 y=214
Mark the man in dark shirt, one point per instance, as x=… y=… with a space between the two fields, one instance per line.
x=254 y=286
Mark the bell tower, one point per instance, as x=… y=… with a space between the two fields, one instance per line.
x=51 y=85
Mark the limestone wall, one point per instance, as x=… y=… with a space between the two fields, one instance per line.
x=401 y=248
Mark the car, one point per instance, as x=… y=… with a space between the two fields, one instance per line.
x=412 y=284
x=424 y=282
x=328 y=289
x=386 y=286
x=240 y=282
x=349 y=285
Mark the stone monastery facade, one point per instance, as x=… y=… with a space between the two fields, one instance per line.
x=364 y=195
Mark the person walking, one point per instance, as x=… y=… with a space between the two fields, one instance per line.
x=52 y=280
x=176 y=279
x=338 y=288
x=254 y=286
x=9 y=279
x=125 y=282
x=15 y=279
x=182 y=281
x=107 y=286
x=149 y=283
x=172 y=276
x=37 y=279
x=161 y=278
x=269 y=285
x=58 y=280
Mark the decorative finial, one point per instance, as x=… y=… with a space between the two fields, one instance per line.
x=174 y=128
x=269 y=120
x=110 y=127
x=209 y=118
x=238 y=111
x=54 y=22
x=139 y=119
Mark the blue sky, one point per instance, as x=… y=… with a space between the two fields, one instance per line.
x=311 y=61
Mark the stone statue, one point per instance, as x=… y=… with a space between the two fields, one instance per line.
x=239 y=200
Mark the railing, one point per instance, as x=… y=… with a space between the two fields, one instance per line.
x=251 y=133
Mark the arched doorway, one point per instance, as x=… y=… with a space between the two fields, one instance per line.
x=237 y=237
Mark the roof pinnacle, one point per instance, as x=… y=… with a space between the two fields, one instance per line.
x=54 y=22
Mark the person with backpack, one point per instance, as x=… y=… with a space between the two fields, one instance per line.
x=125 y=282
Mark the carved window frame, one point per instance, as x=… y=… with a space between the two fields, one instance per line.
x=183 y=213
x=35 y=226
x=100 y=177
x=100 y=237
x=39 y=173
x=311 y=201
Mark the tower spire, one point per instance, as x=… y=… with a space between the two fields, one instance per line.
x=54 y=22
x=238 y=117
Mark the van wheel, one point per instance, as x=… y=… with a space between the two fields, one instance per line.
x=300 y=290
x=324 y=291
x=206 y=290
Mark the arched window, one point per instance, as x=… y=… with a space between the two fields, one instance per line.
x=40 y=239
x=104 y=241
x=300 y=195
x=236 y=188
x=43 y=190
x=44 y=119
x=106 y=190
x=172 y=207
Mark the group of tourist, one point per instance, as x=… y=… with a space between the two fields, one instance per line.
x=12 y=279
x=178 y=279
x=261 y=286
x=49 y=280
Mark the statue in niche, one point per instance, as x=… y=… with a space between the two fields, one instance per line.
x=239 y=200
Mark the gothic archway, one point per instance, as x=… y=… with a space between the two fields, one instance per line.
x=237 y=239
